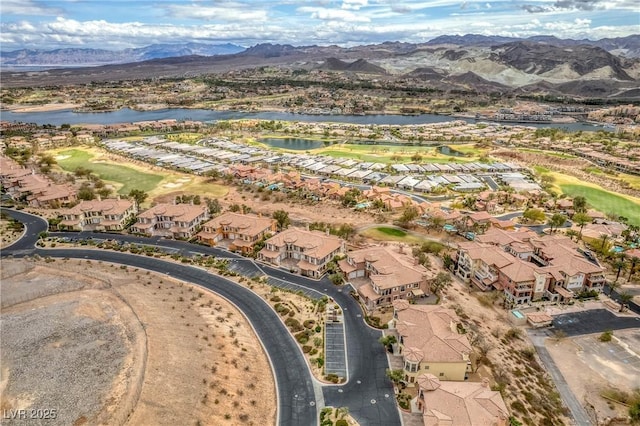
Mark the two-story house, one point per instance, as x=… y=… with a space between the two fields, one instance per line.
x=388 y=274
x=171 y=220
x=430 y=340
x=237 y=231
x=306 y=252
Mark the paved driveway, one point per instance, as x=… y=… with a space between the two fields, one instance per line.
x=592 y=321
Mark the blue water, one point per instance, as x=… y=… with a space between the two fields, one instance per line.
x=127 y=115
x=297 y=144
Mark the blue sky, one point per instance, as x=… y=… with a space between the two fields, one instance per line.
x=117 y=24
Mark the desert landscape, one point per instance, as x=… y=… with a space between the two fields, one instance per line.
x=127 y=346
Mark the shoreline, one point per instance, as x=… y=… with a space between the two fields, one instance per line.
x=40 y=108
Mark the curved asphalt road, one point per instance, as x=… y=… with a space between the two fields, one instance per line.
x=296 y=396
x=368 y=394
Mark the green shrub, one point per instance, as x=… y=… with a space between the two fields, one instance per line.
x=306 y=349
x=302 y=338
x=518 y=406
x=342 y=422
x=293 y=324
x=606 y=336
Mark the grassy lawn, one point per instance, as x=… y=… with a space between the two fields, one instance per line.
x=135 y=176
x=597 y=197
x=551 y=153
x=605 y=201
x=383 y=233
x=127 y=178
x=381 y=153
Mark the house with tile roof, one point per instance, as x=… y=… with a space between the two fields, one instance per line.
x=383 y=274
x=111 y=214
x=459 y=403
x=430 y=340
x=237 y=231
x=37 y=190
x=306 y=252
x=171 y=220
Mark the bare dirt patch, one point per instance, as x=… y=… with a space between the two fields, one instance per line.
x=204 y=363
x=590 y=367
x=10 y=232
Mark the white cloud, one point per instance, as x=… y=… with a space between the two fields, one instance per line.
x=354 y=4
x=326 y=14
x=27 y=7
x=227 y=12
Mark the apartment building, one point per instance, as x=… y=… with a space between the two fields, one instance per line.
x=26 y=185
x=171 y=220
x=237 y=231
x=306 y=252
x=98 y=215
x=528 y=268
x=430 y=340
x=459 y=403
x=382 y=275
x=481 y=263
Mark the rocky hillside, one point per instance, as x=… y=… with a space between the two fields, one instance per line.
x=542 y=65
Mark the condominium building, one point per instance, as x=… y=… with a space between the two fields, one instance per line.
x=171 y=220
x=528 y=268
x=37 y=190
x=237 y=231
x=111 y=214
x=306 y=252
x=382 y=275
x=430 y=340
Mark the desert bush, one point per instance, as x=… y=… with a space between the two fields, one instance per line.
x=293 y=324
x=606 y=336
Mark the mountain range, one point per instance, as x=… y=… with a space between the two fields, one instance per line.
x=92 y=57
x=542 y=65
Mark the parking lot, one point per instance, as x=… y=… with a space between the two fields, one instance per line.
x=335 y=357
x=593 y=321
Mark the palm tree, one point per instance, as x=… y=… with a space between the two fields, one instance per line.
x=620 y=264
x=625 y=297
x=603 y=238
x=632 y=268
x=581 y=219
x=571 y=233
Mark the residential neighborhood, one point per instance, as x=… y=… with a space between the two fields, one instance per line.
x=458 y=263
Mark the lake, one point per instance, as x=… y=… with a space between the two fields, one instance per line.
x=449 y=151
x=126 y=115
x=297 y=144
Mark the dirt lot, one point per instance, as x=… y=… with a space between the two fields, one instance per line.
x=203 y=364
x=9 y=233
x=590 y=366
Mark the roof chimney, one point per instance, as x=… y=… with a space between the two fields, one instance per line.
x=326 y=231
